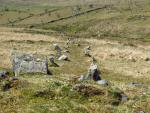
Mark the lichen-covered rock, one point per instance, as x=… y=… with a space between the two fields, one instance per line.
x=58 y=50
x=94 y=73
x=52 y=60
x=26 y=63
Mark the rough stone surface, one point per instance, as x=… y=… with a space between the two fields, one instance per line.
x=3 y=74
x=26 y=63
x=58 y=50
x=52 y=60
x=87 y=51
x=124 y=98
x=103 y=82
x=81 y=78
x=94 y=73
x=63 y=57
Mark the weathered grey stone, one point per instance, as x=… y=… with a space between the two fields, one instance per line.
x=133 y=84
x=63 y=57
x=70 y=40
x=103 y=82
x=87 y=51
x=52 y=60
x=58 y=50
x=3 y=74
x=26 y=63
x=94 y=73
x=124 y=98
x=82 y=77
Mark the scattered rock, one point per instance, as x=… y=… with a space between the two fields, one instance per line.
x=58 y=50
x=26 y=63
x=87 y=51
x=52 y=60
x=63 y=57
x=133 y=84
x=87 y=90
x=94 y=60
x=139 y=111
x=71 y=40
x=103 y=82
x=3 y=74
x=94 y=73
x=124 y=98
x=66 y=51
x=132 y=59
x=117 y=97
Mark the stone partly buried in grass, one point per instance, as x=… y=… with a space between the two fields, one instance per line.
x=94 y=74
x=52 y=61
x=87 y=51
x=3 y=74
x=116 y=96
x=103 y=82
x=26 y=63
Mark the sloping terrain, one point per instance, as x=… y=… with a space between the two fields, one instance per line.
x=120 y=64
x=118 y=33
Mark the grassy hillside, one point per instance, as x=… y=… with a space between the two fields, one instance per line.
x=118 y=32
x=40 y=93
x=121 y=20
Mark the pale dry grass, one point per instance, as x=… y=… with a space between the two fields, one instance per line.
x=24 y=42
x=120 y=58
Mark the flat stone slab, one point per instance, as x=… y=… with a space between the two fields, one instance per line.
x=103 y=82
x=27 y=63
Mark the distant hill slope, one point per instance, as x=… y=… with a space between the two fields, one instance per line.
x=49 y=2
x=65 y=2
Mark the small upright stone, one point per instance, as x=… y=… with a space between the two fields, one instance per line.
x=3 y=74
x=52 y=60
x=58 y=50
x=87 y=51
x=94 y=73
